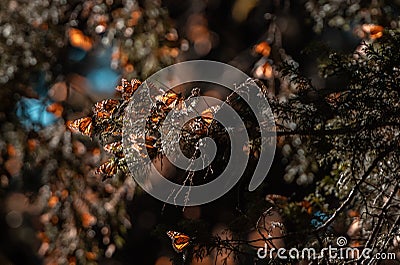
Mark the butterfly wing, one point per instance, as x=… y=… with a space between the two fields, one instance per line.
x=128 y=88
x=103 y=109
x=170 y=99
x=109 y=168
x=179 y=240
x=207 y=116
x=83 y=125
x=113 y=148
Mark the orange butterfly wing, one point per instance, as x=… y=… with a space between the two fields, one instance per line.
x=207 y=116
x=179 y=240
x=170 y=99
x=113 y=147
x=128 y=88
x=82 y=125
x=103 y=109
x=109 y=168
x=374 y=31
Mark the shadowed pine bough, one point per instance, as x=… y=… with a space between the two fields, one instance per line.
x=342 y=141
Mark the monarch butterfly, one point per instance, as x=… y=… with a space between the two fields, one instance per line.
x=103 y=109
x=170 y=99
x=155 y=118
x=179 y=240
x=374 y=31
x=150 y=140
x=207 y=116
x=128 y=88
x=198 y=126
x=113 y=148
x=83 y=125
x=109 y=168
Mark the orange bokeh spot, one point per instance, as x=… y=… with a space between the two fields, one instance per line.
x=32 y=144
x=135 y=16
x=263 y=48
x=264 y=71
x=55 y=108
x=11 y=151
x=72 y=261
x=64 y=194
x=43 y=237
x=353 y=213
x=79 y=40
x=54 y=219
x=88 y=220
x=129 y=68
x=91 y=255
x=52 y=201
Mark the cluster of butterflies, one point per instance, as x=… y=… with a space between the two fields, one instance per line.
x=104 y=112
x=106 y=122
